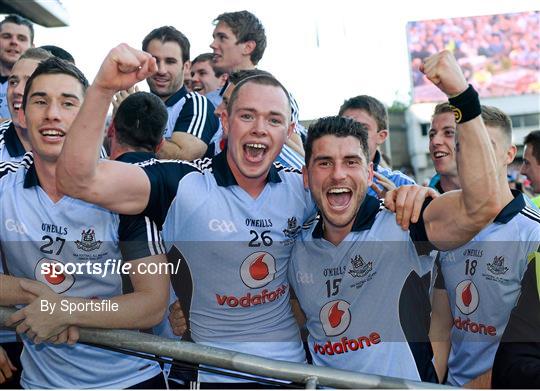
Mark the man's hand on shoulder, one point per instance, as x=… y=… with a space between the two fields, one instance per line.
x=406 y=202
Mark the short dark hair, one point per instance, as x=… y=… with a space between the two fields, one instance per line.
x=210 y=58
x=265 y=80
x=140 y=121
x=238 y=76
x=17 y=19
x=54 y=66
x=246 y=27
x=336 y=126
x=37 y=54
x=168 y=34
x=57 y=51
x=496 y=118
x=533 y=139
x=372 y=106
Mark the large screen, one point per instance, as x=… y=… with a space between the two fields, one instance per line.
x=500 y=54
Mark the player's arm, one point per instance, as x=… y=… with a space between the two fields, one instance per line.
x=149 y=275
x=117 y=186
x=6 y=367
x=439 y=330
x=194 y=128
x=295 y=142
x=177 y=318
x=182 y=146
x=141 y=309
x=144 y=308
x=11 y=292
x=481 y=382
x=407 y=203
x=456 y=217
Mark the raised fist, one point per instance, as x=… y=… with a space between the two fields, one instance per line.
x=443 y=70
x=123 y=67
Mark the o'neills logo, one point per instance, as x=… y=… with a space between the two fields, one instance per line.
x=345 y=345
x=249 y=300
x=475 y=328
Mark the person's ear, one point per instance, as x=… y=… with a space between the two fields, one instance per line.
x=248 y=48
x=382 y=135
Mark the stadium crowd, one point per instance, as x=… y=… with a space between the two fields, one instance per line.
x=492 y=50
x=292 y=244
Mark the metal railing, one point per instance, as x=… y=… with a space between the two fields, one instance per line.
x=311 y=376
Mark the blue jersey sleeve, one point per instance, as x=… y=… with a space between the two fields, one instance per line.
x=418 y=233
x=139 y=238
x=165 y=176
x=197 y=118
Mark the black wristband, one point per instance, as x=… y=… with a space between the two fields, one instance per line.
x=466 y=105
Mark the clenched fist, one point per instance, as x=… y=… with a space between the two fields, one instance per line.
x=443 y=70
x=123 y=67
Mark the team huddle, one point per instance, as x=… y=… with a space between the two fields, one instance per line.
x=271 y=229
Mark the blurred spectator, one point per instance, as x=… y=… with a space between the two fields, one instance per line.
x=16 y=36
x=501 y=52
x=531 y=162
x=206 y=79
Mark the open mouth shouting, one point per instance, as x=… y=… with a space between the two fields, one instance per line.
x=255 y=152
x=339 y=198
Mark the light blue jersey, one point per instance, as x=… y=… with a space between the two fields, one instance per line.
x=4 y=109
x=10 y=166
x=11 y=148
x=234 y=251
x=366 y=300
x=36 y=231
x=483 y=281
x=397 y=177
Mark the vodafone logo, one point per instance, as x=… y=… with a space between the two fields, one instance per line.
x=335 y=317
x=47 y=272
x=258 y=269
x=467 y=297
